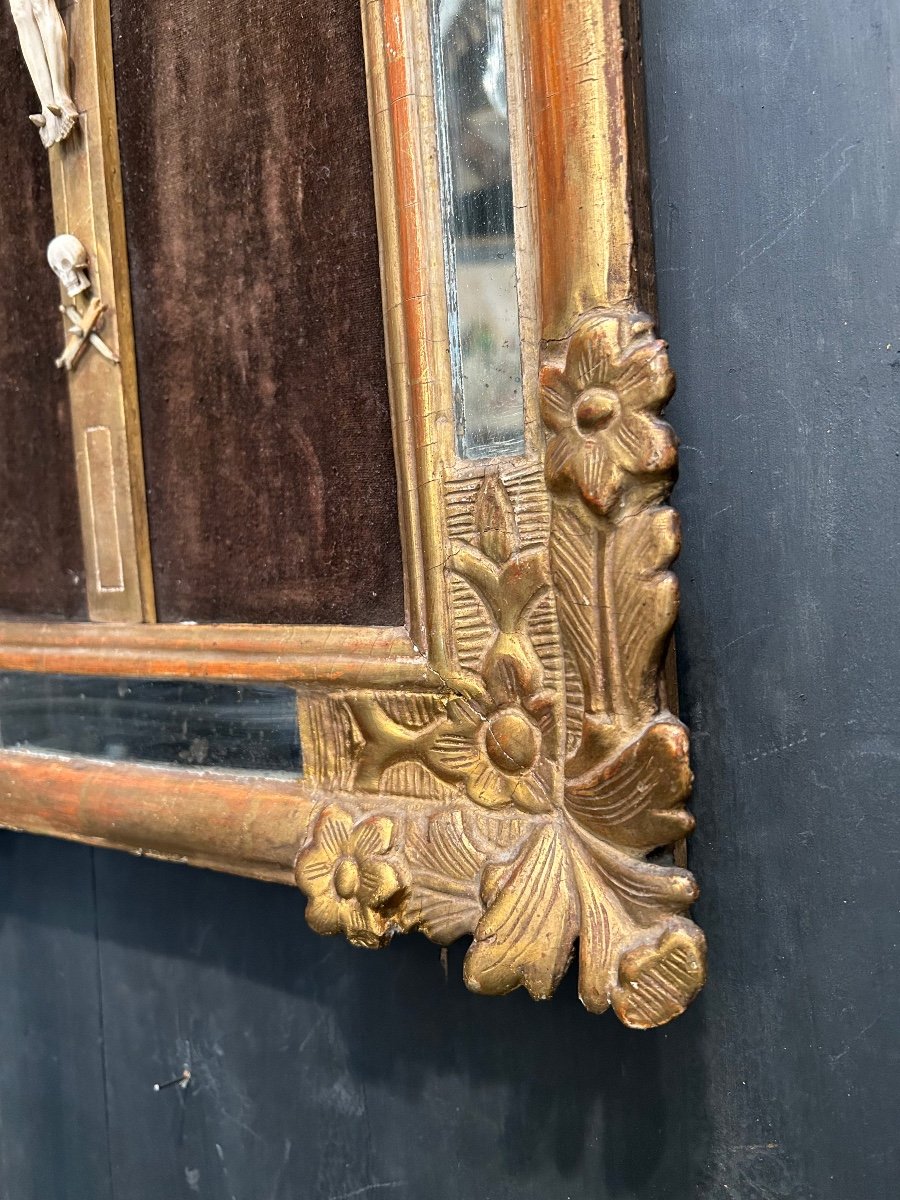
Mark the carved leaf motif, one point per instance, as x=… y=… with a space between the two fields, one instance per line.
x=496 y=521
x=444 y=898
x=645 y=892
x=626 y=906
x=385 y=741
x=636 y=798
x=596 y=939
x=525 y=937
x=658 y=980
x=509 y=582
x=617 y=603
x=510 y=667
x=644 y=597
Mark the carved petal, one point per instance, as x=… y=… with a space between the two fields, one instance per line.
x=379 y=882
x=314 y=870
x=525 y=937
x=601 y=478
x=646 y=446
x=644 y=379
x=323 y=914
x=456 y=751
x=594 y=351
x=562 y=459
x=362 y=926
x=556 y=399
x=658 y=980
x=531 y=794
x=333 y=829
x=636 y=798
x=488 y=787
x=372 y=836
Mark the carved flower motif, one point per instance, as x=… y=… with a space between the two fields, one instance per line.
x=496 y=752
x=603 y=408
x=350 y=876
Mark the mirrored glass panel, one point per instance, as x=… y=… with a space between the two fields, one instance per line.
x=469 y=55
x=184 y=724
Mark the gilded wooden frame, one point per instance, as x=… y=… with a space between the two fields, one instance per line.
x=507 y=766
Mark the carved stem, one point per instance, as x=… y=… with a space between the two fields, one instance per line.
x=610 y=665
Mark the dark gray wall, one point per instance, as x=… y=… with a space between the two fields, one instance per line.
x=325 y=1073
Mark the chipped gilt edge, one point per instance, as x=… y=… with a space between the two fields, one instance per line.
x=523 y=806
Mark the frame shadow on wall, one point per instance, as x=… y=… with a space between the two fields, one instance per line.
x=223 y=972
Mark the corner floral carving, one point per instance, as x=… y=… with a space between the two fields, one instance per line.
x=491 y=743
x=351 y=876
x=602 y=409
x=556 y=766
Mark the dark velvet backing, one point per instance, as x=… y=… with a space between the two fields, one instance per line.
x=254 y=257
x=41 y=565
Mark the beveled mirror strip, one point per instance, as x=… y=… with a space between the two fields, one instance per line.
x=477 y=202
x=193 y=724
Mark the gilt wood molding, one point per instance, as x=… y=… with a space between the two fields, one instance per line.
x=507 y=767
x=520 y=807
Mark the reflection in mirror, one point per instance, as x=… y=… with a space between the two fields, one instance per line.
x=179 y=724
x=469 y=57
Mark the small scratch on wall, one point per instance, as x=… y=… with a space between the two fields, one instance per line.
x=752 y=758
x=761 y=246
x=369 y=1187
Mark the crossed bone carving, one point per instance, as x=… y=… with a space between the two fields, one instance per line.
x=82 y=332
x=69 y=260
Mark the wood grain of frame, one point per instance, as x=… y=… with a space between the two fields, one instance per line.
x=506 y=766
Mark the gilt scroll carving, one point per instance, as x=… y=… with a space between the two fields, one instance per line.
x=522 y=806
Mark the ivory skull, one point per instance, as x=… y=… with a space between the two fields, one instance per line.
x=69 y=260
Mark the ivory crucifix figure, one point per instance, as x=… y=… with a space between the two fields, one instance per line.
x=45 y=48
